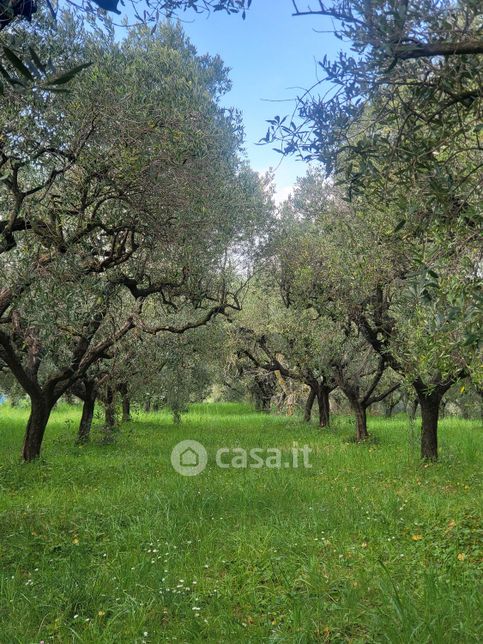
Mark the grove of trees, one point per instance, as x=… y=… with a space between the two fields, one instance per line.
x=143 y=261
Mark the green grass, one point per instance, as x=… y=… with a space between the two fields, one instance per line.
x=106 y=543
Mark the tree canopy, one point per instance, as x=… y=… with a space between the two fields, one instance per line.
x=130 y=215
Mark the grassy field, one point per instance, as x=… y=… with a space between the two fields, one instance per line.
x=107 y=543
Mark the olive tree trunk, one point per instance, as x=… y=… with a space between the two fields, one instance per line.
x=429 y=397
x=324 y=406
x=109 y=414
x=359 y=410
x=429 y=403
x=360 y=413
x=308 y=406
x=87 y=413
x=126 y=403
x=40 y=410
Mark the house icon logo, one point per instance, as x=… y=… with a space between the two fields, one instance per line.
x=189 y=458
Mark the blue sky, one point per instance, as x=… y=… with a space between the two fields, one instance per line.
x=272 y=56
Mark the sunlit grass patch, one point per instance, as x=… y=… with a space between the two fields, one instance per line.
x=106 y=543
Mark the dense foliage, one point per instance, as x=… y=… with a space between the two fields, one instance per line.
x=130 y=216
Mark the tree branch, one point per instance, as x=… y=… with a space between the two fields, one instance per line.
x=376 y=399
x=428 y=50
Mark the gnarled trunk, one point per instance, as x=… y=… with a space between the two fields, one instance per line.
x=87 y=413
x=40 y=410
x=324 y=407
x=308 y=406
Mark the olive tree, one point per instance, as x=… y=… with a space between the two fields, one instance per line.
x=421 y=321
x=140 y=221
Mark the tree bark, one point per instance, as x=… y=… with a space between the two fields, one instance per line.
x=126 y=403
x=429 y=402
x=39 y=416
x=87 y=413
x=147 y=404
x=359 y=407
x=428 y=50
x=324 y=407
x=126 y=409
x=430 y=397
x=308 y=406
x=110 y=414
x=360 y=414
x=361 y=423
